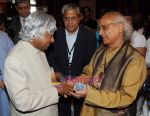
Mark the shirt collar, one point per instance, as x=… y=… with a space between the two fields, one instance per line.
x=75 y=33
x=21 y=18
x=30 y=47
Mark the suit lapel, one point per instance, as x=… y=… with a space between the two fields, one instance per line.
x=77 y=48
x=18 y=24
x=64 y=46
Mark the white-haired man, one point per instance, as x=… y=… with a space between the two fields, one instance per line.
x=27 y=74
x=117 y=70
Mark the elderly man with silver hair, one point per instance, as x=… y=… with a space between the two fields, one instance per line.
x=27 y=74
x=117 y=71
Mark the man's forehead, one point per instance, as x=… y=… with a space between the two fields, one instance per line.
x=106 y=19
x=71 y=13
x=74 y=11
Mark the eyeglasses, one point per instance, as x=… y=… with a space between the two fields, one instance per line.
x=67 y=19
x=106 y=27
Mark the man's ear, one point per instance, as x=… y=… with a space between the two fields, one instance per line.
x=79 y=17
x=33 y=41
x=121 y=27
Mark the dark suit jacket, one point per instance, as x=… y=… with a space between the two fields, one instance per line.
x=15 y=28
x=85 y=46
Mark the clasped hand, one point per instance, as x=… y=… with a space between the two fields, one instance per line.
x=65 y=89
x=68 y=88
x=79 y=93
x=80 y=87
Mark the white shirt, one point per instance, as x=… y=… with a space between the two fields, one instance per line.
x=23 y=20
x=138 y=40
x=71 y=39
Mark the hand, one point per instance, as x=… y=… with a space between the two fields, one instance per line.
x=79 y=94
x=58 y=76
x=64 y=89
x=2 y=84
x=55 y=77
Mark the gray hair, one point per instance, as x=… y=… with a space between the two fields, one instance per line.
x=70 y=7
x=22 y=1
x=119 y=18
x=37 y=23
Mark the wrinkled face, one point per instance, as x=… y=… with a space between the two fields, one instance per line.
x=110 y=31
x=71 y=20
x=43 y=43
x=23 y=9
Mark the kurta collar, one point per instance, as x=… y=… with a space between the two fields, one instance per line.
x=30 y=47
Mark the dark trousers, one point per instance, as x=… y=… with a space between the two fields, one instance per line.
x=64 y=106
x=133 y=106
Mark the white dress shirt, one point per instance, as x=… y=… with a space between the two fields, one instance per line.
x=71 y=39
x=23 y=20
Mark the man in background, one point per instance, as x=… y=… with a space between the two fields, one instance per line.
x=73 y=49
x=18 y=21
x=88 y=22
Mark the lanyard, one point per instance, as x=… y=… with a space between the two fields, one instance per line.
x=69 y=57
x=69 y=52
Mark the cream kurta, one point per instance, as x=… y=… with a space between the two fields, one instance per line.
x=133 y=79
x=28 y=80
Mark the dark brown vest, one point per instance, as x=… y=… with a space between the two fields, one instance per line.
x=115 y=69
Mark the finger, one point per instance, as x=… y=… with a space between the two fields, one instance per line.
x=82 y=93
x=75 y=95
x=70 y=83
x=65 y=96
x=67 y=92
